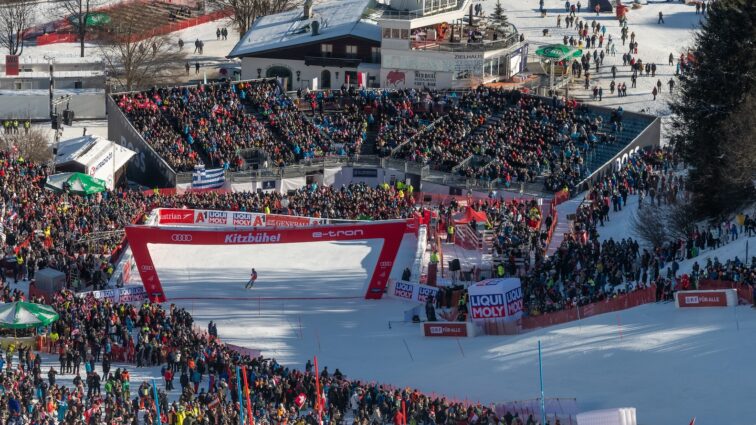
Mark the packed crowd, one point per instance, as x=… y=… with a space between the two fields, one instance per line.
x=516 y=136
x=218 y=124
x=90 y=330
x=584 y=269
x=79 y=234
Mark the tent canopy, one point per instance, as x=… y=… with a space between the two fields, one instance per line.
x=75 y=182
x=558 y=52
x=23 y=315
x=468 y=215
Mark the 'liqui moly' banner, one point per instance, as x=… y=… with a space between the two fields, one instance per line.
x=411 y=291
x=495 y=299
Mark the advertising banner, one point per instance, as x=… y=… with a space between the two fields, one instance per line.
x=175 y=216
x=277 y=220
x=391 y=232
x=453 y=329
x=118 y=295
x=412 y=291
x=496 y=299
x=714 y=298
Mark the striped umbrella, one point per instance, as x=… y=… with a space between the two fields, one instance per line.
x=23 y=315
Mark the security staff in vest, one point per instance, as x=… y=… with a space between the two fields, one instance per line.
x=450 y=233
x=434 y=257
x=15 y=126
x=6 y=126
x=500 y=270
x=27 y=126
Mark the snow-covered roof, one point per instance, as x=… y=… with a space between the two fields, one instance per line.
x=337 y=18
x=84 y=150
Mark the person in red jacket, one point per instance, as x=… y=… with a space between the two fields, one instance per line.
x=168 y=375
x=399 y=418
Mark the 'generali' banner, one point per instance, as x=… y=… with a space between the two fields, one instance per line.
x=119 y=295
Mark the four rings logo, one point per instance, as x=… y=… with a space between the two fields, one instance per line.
x=181 y=237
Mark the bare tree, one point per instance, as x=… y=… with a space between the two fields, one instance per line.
x=651 y=225
x=78 y=12
x=15 y=17
x=136 y=63
x=32 y=145
x=246 y=11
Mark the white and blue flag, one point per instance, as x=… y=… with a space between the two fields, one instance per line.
x=208 y=179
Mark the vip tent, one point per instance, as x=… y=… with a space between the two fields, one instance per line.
x=495 y=299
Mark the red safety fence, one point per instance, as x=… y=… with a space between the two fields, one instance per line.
x=745 y=292
x=68 y=37
x=561 y=196
x=621 y=302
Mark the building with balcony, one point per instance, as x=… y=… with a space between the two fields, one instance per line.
x=322 y=45
x=440 y=44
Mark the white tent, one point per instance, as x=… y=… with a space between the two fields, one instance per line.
x=94 y=156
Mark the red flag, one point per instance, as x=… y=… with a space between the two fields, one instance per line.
x=692 y=421
x=317 y=390
x=300 y=400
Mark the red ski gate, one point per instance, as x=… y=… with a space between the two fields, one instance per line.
x=391 y=232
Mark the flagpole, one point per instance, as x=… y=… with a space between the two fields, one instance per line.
x=540 y=370
x=157 y=402
x=239 y=391
x=317 y=389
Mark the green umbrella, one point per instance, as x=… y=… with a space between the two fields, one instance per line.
x=23 y=315
x=76 y=183
x=559 y=52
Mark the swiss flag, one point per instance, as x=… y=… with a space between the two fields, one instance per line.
x=300 y=400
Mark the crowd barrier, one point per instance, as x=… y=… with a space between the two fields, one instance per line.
x=561 y=196
x=621 y=302
x=745 y=292
x=564 y=409
x=70 y=37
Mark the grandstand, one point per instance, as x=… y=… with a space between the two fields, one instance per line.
x=485 y=138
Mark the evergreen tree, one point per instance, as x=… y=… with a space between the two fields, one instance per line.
x=712 y=124
x=498 y=14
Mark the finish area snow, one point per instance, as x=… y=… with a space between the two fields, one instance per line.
x=670 y=364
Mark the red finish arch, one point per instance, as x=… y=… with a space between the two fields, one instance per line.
x=390 y=231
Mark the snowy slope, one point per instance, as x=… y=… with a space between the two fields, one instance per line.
x=670 y=364
x=655 y=41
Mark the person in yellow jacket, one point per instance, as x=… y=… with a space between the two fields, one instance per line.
x=500 y=270
x=434 y=257
x=450 y=233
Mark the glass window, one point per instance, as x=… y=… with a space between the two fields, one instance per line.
x=326 y=49
x=405 y=34
x=395 y=33
x=387 y=33
x=351 y=51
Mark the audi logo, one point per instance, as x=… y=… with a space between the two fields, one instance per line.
x=181 y=237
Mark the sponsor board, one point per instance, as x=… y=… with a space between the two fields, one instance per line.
x=514 y=301
x=404 y=290
x=445 y=329
x=702 y=298
x=119 y=295
x=276 y=220
x=175 y=216
x=410 y=290
x=338 y=234
x=251 y=238
x=488 y=306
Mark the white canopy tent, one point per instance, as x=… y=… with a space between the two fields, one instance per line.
x=94 y=156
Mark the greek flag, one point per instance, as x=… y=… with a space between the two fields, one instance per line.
x=208 y=179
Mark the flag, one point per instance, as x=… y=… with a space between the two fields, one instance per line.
x=692 y=421
x=207 y=179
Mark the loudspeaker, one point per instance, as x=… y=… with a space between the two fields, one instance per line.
x=55 y=122
x=68 y=117
x=454 y=265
